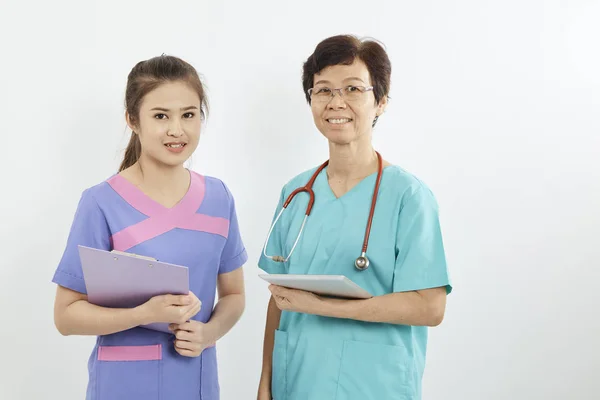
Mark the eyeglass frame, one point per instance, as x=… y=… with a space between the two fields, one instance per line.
x=366 y=89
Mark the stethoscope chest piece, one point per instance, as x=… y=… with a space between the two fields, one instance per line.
x=361 y=263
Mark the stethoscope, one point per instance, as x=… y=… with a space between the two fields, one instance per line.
x=362 y=262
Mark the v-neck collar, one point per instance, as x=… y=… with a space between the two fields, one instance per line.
x=331 y=194
x=147 y=205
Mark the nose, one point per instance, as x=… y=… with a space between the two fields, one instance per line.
x=336 y=102
x=175 y=128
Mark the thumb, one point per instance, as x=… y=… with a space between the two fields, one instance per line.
x=178 y=300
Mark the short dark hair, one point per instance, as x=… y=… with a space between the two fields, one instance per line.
x=344 y=50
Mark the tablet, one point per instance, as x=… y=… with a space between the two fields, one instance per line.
x=124 y=280
x=325 y=285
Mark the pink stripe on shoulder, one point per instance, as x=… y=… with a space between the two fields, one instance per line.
x=195 y=195
x=206 y=223
x=135 y=197
x=130 y=353
x=142 y=231
x=161 y=219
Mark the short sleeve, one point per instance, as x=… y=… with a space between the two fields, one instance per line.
x=273 y=245
x=234 y=254
x=89 y=228
x=420 y=257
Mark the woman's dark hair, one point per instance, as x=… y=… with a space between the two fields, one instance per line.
x=344 y=50
x=145 y=77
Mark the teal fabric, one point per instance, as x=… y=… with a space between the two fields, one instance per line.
x=317 y=357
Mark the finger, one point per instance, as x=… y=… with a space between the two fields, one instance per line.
x=191 y=312
x=278 y=302
x=185 y=335
x=185 y=352
x=187 y=312
x=189 y=326
x=186 y=345
x=178 y=300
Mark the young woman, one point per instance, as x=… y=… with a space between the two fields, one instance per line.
x=156 y=207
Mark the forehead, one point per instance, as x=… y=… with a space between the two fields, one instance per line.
x=340 y=74
x=175 y=94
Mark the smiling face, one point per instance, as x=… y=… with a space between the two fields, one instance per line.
x=345 y=118
x=168 y=124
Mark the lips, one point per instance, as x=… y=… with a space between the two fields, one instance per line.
x=176 y=145
x=339 y=120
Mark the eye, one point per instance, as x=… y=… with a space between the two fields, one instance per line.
x=324 y=90
x=189 y=115
x=160 y=116
x=351 y=89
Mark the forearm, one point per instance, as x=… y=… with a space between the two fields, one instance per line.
x=406 y=308
x=273 y=318
x=84 y=318
x=226 y=314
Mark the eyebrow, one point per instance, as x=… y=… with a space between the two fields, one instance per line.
x=182 y=109
x=353 y=78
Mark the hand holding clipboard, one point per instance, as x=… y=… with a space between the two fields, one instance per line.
x=122 y=280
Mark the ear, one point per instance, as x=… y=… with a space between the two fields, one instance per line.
x=382 y=106
x=129 y=122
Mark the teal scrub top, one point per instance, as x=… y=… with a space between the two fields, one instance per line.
x=316 y=357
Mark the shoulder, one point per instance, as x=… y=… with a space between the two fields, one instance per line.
x=297 y=181
x=407 y=186
x=99 y=192
x=94 y=199
x=213 y=186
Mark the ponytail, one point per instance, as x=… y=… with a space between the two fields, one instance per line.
x=132 y=153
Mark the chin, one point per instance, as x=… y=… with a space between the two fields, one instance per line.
x=340 y=138
x=171 y=162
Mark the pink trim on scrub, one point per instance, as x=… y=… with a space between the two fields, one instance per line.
x=162 y=219
x=130 y=353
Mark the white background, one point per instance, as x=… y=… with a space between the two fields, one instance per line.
x=495 y=105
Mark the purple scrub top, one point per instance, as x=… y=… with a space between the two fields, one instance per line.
x=200 y=232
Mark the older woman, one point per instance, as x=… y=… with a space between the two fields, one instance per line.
x=371 y=221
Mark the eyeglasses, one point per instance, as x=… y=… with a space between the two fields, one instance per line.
x=348 y=93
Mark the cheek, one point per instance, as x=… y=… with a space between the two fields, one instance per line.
x=317 y=113
x=193 y=130
x=151 y=138
x=365 y=115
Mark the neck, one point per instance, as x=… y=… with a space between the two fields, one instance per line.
x=159 y=177
x=351 y=161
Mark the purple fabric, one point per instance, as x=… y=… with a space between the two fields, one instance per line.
x=100 y=214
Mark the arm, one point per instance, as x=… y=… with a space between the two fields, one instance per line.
x=231 y=304
x=421 y=307
x=417 y=308
x=74 y=315
x=194 y=336
x=273 y=317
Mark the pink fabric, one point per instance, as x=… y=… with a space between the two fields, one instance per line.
x=130 y=353
x=162 y=219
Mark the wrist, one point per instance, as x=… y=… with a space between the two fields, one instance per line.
x=337 y=308
x=212 y=329
x=140 y=315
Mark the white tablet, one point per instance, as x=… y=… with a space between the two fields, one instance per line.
x=327 y=285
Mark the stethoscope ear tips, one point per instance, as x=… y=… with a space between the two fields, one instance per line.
x=361 y=263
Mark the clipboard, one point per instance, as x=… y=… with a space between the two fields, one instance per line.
x=117 y=279
x=325 y=285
